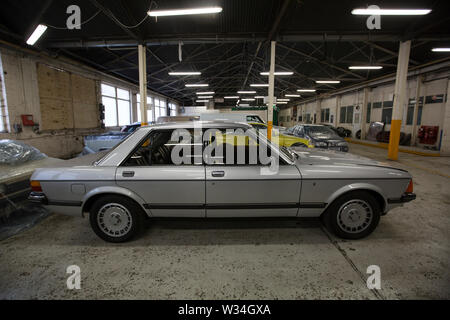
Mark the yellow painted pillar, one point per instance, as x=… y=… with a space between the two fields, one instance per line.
x=143 y=84
x=271 y=90
x=400 y=99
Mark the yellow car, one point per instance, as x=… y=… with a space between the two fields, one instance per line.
x=284 y=140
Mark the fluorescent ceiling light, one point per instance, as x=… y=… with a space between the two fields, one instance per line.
x=248 y=99
x=440 y=49
x=328 y=81
x=365 y=67
x=37 y=33
x=187 y=73
x=259 y=85
x=390 y=12
x=259 y=97
x=278 y=73
x=199 y=101
x=292 y=95
x=206 y=97
x=197 y=85
x=306 y=90
x=205 y=92
x=282 y=102
x=246 y=92
x=183 y=12
x=283 y=99
x=231 y=97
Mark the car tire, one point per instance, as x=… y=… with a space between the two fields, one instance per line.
x=116 y=218
x=354 y=215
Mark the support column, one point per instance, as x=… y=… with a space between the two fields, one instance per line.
x=400 y=99
x=419 y=81
x=364 y=113
x=445 y=142
x=319 y=111
x=337 y=112
x=143 y=84
x=271 y=90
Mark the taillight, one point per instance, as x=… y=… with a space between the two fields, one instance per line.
x=36 y=186
x=410 y=187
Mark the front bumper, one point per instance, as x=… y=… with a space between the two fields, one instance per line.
x=406 y=197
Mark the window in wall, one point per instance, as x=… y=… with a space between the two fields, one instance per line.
x=157 y=112
x=162 y=108
x=150 y=109
x=377 y=105
x=149 y=106
x=369 y=111
x=308 y=118
x=325 y=115
x=439 y=98
x=117 y=106
x=419 y=115
x=346 y=114
x=386 y=114
x=172 y=109
x=410 y=115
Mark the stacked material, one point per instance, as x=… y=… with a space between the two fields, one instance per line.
x=17 y=163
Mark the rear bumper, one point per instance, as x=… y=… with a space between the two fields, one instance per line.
x=406 y=197
x=38 y=197
x=71 y=208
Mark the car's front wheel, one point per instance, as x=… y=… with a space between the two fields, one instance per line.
x=116 y=218
x=353 y=216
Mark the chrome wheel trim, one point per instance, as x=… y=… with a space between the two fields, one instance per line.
x=114 y=220
x=354 y=216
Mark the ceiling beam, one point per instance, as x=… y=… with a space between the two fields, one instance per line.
x=237 y=38
x=390 y=52
x=322 y=62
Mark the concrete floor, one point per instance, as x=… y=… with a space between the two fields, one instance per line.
x=245 y=259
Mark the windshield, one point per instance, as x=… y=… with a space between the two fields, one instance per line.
x=320 y=132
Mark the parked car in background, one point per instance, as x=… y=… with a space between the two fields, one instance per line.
x=319 y=136
x=284 y=140
x=236 y=117
x=138 y=180
x=130 y=128
x=341 y=132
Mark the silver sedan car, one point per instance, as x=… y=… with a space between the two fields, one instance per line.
x=220 y=169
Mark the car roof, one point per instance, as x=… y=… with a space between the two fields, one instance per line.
x=216 y=124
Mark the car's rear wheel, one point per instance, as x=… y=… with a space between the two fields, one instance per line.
x=354 y=215
x=116 y=218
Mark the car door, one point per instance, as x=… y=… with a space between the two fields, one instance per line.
x=169 y=190
x=244 y=190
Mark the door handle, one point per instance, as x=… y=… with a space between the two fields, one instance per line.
x=218 y=174
x=128 y=174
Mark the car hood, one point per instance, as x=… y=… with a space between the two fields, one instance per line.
x=329 y=157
